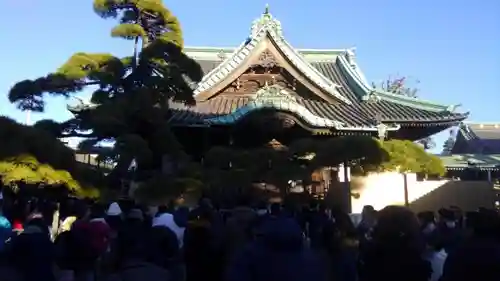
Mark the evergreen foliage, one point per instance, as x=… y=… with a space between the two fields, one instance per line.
x=229 y=169
x=407 y=156
x=30 y=156
x=130 y=105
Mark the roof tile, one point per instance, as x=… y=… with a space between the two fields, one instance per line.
x=359 y=113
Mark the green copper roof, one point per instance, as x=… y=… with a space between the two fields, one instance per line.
x=346 y=58
x=480 y=161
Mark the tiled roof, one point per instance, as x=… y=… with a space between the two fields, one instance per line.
x=333 y=72
x=480 y=138
x=263 y=28
x=357 y=113
x=223 y=105
x=461 y=161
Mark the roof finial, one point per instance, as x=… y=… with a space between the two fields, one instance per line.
x=266 y=10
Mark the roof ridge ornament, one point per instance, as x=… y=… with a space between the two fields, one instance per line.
x=452 y=108
x=266 y=10
x=266 y=20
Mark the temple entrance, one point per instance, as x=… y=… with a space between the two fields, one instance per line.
x=263 y=126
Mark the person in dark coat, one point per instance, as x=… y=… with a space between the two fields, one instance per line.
x=478 y=257
x=239 y=228
x=395 y=251
x=277 y=255
x=318 y=219
x=163 y=250
x=133 y=264
x=203 y=241
x=448 y=231
x=32 y=254
x=340 y=248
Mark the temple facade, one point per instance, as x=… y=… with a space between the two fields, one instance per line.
x=265 y=90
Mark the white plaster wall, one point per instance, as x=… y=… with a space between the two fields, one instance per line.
x=382 y=189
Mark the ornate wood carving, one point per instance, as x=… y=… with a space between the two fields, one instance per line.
x=250 y=83
x=267 y=60
x=273 y=93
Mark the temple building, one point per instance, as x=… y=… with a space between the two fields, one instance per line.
x=265 y=90
x=473 y=152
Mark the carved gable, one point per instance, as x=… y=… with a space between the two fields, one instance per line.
x=267 y=64
x=266 y=60
x=259 y=76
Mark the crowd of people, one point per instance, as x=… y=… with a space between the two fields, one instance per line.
x=82 y=241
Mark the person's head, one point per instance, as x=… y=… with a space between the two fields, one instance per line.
x=114 y=210
x=275 y=209
x=368 y=215
x=162 y=209
x=79 y=209
x=97 y=210
x=135 y=215
x=205 y=203
x=447 y=217
x=130 y=245
x=344 y=223
x=368 y=210
x=398 y=227
x=427 y=221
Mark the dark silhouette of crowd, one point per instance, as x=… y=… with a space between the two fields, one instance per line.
x=84 y=241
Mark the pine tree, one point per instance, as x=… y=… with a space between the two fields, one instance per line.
x=130 y=106
x=46 y=162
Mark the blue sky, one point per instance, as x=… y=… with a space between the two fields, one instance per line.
x=451 y=46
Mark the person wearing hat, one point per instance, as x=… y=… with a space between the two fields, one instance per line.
x=114 y=217
x=448 y=231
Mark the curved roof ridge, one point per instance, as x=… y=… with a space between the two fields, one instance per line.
x=466 y=131
x=301 y=60
x=267 y=25
x=203 y=85
x=391 y=97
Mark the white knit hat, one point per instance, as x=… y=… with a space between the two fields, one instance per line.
x=114 y=210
